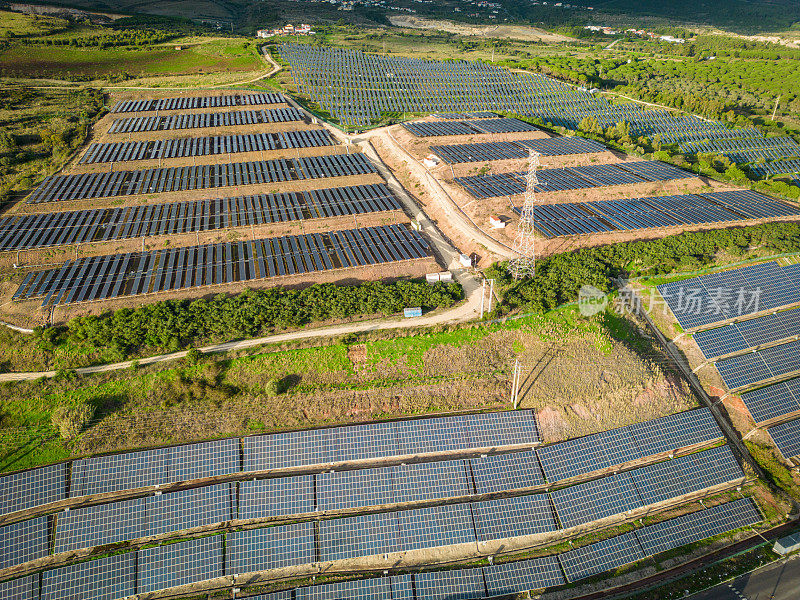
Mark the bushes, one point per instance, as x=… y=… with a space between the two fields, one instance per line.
x=171 y=325
x=71 y=420
x=560 y=277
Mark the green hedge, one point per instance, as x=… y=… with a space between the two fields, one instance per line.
x=173 y=324
x=560 y=277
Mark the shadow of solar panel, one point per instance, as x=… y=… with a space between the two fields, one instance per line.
x=601 y=556
x=787 y=438
x=525 y=575
x=594 y=500
x=426 y=481
x=25 y=588
x=276 y=497
x=772 y=401
x=506 y=472
x=346 y=489
x=107 y=578
x=364 y=535
x=462 y=584
x=513 y=517
x=179 y=564
x=697 y=526
x=34 y=487
x=676 y=431
x=23 y=541
x=435 y=526
x=686 y=474
x=99 y=525
x=187 y=509
x=360 y=589
x=269 y=548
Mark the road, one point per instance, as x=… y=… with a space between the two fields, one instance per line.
x=778 y=581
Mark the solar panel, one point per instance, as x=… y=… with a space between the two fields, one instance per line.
x=427 y=481
x=459 y=584
x=346 y=489
x=26 y=489
x=106 y=578
x=748 y=369
x=269 y=548
x=525 y=575
x=192 y=508
x=772 y=401
x=594 y=500
x=363 y=535
x=696 y=526
x=686 y=474
x=787 y=438
x=738 y=337
x=24 y=588
x=180 y=563
x=380 y=588
x=276 y=497
x=23 y=541
x=435 y=526
x=601 y=556
x=506 y=471
x=99 y=525
x=512 y=517
x=672 y=432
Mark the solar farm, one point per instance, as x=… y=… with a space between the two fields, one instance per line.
x=302 y=208
x=380 y=505
x=746 y=324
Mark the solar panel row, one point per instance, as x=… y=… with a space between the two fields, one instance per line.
x=718 y=297
x=773 y=401
x=553 y=220
x=104 y=474
x=749 y=369
x=464 y=153
x=191 y=102
x=204 y=120
x=786 y=437
x=738 y=337
x=286 y=545
x=105 y=224
x=173 y=179
x=204 y=146
x=602 y=450
x=135 y=273
x=627 y=548
x=571 y=178
x=468 y=127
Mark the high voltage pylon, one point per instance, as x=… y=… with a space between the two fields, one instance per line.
x=525 y=265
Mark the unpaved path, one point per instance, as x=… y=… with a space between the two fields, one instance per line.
x=459 y=314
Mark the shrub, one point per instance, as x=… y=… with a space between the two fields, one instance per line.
x=70 y=421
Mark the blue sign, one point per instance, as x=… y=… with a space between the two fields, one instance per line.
x=412 y=312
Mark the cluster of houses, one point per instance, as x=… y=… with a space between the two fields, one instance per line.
x=303 y=29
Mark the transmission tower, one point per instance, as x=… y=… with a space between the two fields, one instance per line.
x=524 y=266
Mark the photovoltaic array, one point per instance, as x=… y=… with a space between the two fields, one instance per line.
x=787 y=438
x=174 y=218
x=718 y=297
x=571 y=178
x=137 y=273
x=204 y=120
x=193 y=102
x=204 y=146
x=488 y=151
x=115 y=184
x=746 y=335
x=580 y=218
x=468 y=127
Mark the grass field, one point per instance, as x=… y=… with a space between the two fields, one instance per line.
x=18 y=25
x=374 y=377
x=219 y=56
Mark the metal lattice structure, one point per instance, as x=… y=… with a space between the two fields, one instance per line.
x=524 y=266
